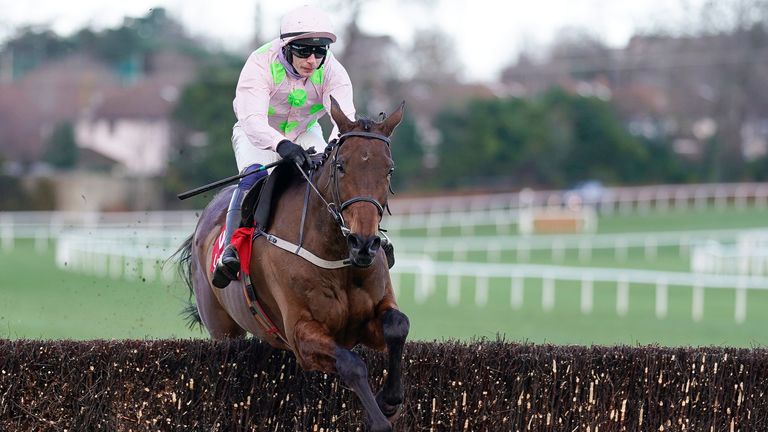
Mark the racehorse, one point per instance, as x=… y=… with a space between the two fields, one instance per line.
x=317 y=308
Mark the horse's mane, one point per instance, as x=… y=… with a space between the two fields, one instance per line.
x=366 y=123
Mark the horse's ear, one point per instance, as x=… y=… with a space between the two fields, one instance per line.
x=338 y=116
x=390 y=123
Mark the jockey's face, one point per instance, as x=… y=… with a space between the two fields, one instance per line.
x=306 y=66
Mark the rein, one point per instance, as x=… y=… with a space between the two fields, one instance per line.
x=335 y=207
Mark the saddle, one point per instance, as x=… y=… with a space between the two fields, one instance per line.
x=257 y=205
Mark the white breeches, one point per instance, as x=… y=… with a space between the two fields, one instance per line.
x=247 y=154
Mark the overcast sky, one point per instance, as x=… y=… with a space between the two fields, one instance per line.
x=488 y=33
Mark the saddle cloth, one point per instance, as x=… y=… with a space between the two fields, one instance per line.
x=242 y=240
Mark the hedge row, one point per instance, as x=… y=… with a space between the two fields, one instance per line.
x=244 y=385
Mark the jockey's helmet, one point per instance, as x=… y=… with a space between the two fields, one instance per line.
x=309 y=25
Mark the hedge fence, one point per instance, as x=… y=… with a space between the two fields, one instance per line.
x=244 y=385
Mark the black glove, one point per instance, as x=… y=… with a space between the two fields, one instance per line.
x=289 y=150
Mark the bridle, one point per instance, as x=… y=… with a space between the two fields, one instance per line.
x=337 y=206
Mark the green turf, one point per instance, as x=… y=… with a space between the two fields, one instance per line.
x=711 y=218
x=40 y=301
x=37 y=300
x=566 y=324
x=667 y=258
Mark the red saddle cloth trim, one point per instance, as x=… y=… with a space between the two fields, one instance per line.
x=218 y=248
x=241 y=239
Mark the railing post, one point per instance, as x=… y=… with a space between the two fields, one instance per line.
x=586 y=295
x=6 y=233
x=697 y=303
x=516 y=292
x=661 y=298
x=622 y=296
x=548 y=294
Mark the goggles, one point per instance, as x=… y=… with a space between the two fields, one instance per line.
x=304 y=51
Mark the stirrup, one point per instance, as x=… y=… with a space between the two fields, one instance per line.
x=226 y=271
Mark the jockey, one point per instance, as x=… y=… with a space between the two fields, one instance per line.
x=284 y=88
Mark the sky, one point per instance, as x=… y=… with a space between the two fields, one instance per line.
x=487 y=34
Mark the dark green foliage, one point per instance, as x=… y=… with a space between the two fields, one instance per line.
x=759 y=169
x=62 y=148
x=121 y=47
x=204 y=111
x=33 y=46
x=243 y=385
x=408 y=155
x=12 y=196
x=551 y=141
x=15 y=195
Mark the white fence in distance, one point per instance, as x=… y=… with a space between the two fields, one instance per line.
x=623 y=200
x=583 y=244
x=45 y=227
x=120 y=253
x=748 y=255
x=426 y=272
x=429 y=213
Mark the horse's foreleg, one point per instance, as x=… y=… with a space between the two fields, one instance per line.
x=316 y=350
x=395 y=326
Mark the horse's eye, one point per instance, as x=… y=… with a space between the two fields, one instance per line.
x=340 y=167
x=391 y=170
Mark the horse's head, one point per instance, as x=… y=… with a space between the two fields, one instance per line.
x=359 y=174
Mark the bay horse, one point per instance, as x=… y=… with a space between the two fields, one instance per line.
x=318 y=313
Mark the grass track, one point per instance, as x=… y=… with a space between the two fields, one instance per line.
x=37 y=300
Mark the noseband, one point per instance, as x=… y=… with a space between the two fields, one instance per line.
x=337 y=207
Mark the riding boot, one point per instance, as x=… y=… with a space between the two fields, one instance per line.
x=228 y=266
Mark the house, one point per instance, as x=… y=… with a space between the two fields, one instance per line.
x=686 y=89
x=59 y=91
x=128 y=123
x=123 y=127
x=133 y=125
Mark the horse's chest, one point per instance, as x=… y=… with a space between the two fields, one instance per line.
x=339 y=306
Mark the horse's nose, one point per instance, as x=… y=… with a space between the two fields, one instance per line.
x=367 y=246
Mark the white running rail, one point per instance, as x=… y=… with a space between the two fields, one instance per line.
x=426 y=272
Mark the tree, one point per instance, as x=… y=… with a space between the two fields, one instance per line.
x=740 y=41
x=32 y=46
x=62 y=151
x=599 y=145
x=204 y=116
x=551 y=141
x=408 y=155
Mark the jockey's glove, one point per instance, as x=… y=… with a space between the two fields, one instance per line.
x=290 y=150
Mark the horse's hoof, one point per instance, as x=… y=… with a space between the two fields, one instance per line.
x=391 y=412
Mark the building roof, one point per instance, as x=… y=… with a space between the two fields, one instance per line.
x=78 y=86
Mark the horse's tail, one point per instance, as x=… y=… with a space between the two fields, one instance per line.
x=183 y=257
